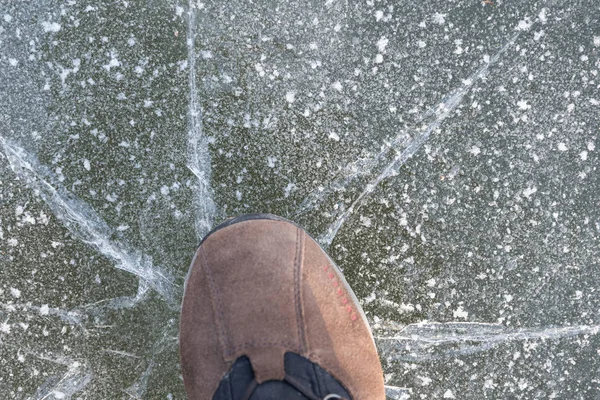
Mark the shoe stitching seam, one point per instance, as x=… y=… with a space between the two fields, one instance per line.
x=297 y=292
x=265 y=343
x=216 y=303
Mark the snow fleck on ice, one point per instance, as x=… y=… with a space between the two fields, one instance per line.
x=378 y=15
x=334 y=136
x=439 y=18
x=449 y=395
x=382 y=43
x=4 y=327
x=460 y=313
x=475 y=150
x=271 y=162
x=525 y=24
x=591 y=146
x=425 y=381
x=7 y=18
x=51 y=26
x=15 y=292
x=114 y=62
x=44 y=310
x=583 y=155
x=337 y=86
x=288 y=189
x=421 y=44
x=290 y=97
x=378 y=59
x=562 y=147
x=13 y=62
x=529 y=191
x=523 y=105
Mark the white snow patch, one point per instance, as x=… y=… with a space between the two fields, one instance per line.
x=271 y=161
x=421 y=44
x=425 y=381
x=542 y=15
x=522 y=104
x=529 y=191
x=460 y=313
x=475 y=150
x=290 y=97
x=439 y=18
x=4 y=327
x=288 y=189
x=449 y=395
x=334 y=136
x=13 y=62
x=338 y=86
x=15 y=292
x=259 y=68
x=44 y=310
x=525 y=24
x=378 y=58
x=562 y=147
x=583 y=155
x=179 y=11
x=114 y=62
x=597 y=41
x=378 y=15
x=382 y=43
x=51 y=26
x=86 y=164
x=7 y=17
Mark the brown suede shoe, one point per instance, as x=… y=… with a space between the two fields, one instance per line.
x=260 y=289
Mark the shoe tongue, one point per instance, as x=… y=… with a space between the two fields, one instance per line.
x=268 y=363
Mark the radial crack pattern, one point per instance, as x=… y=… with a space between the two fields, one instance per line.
x=84 y=223
x=443 y=111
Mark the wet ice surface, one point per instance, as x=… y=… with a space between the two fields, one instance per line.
x=444 y=152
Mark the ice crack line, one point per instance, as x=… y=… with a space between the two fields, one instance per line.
x=84 y=223
x=434 y=340
x=197 y=153
x=443 y=111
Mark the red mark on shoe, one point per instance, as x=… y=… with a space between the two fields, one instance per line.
x=340 y=292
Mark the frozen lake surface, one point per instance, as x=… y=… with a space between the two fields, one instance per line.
x=445 y=153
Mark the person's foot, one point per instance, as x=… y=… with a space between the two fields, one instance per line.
x=267 y=315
